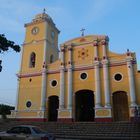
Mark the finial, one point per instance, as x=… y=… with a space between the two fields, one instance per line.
x=82 y=30
x=44 y=11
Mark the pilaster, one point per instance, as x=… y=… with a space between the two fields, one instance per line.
x=62 y=73
x=61 y=104
x=43 y=90
x=95 y=45
x=44 y=79
x=97 y=76
x=129 y=60
x=69 y=105
x=105 y=63
x=97 y=86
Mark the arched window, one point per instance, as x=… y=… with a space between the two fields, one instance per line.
x=51 y=59
x=32 y=60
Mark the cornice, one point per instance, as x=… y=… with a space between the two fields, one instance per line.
x=35 y=22
x=29 y=75
x=35 y=42
x=74 y=68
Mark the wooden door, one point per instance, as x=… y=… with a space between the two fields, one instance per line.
x=53 y=104
x=84 y=105
x=120 y=106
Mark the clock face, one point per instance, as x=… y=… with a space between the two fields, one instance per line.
x=35 y=30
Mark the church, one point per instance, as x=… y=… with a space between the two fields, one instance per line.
x=80 y=80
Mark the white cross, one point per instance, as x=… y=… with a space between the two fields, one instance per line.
x=44 y=11
x=82 y=30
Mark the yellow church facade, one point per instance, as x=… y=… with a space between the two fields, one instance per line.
x=82 y=81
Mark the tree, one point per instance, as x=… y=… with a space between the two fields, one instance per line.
x=5 y=110
x=5 y=45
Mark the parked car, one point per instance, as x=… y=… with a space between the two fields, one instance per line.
x=25 y=132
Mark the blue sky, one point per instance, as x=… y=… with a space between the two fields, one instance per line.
x=119 y=19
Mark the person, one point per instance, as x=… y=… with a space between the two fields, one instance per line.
x=136 y=113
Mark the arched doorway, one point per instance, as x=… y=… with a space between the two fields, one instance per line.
x=53 y=104
x=120 y=106
x=84 y=105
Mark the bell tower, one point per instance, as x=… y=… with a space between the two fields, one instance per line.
x=41 y=37
x=40 y=48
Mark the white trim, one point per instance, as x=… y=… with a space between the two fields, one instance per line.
x=131 y=83
x=81 y=74
x=62 y=89
x=25 y=110
x=23 y=117
x=18 y=79
x=103 y=116
x=97 y=87
x=65 y=117
x=26 y=103
x=51 y=83
x=44 y=74
x=106 y=83
x=70 y=78
x=117 y=73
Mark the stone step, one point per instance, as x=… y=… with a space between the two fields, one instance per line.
x=86 y=130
